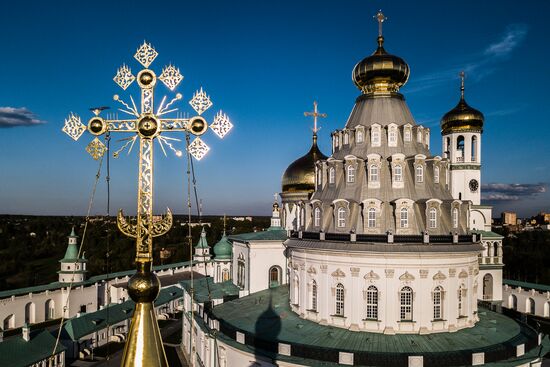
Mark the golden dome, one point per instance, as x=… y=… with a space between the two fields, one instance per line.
x=380 y=72
x=300 y=175
x=462 y=117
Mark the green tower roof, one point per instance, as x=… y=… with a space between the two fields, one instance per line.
x=71 y=254
x=223 y=249
x=202 y=241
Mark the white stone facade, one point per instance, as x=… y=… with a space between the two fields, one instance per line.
x=375 y=287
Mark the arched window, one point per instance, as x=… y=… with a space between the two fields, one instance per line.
x=240 y=271
x=546 y=309
x=346 y=138
x=455 y=217
x=419 y=174
x=513 y=302
x=274 y=276
x=372 y=303
x=372 y=218
x=374 y=173
x=331 y=175
x=319 y=176
x=29 y=313
x=341 y=217
x=313 y=295
x=317 y=217
x=488 y=287
x=460 y=149
x=339 y=300
x=436 y=174
x=49 y=309
x=351 y=174
x=359 y=136
x=438 y=298
x=419 y=136
x=392 y=137
x=406 y=305
x=225 y=275
x=530 y=306
x=398 y=173
x=433 y=218
x=407 y=134
x=335 y=139
x=474 y=148
x=461 y=300
x=375 y=137
x=404 y=218
x=9 y=322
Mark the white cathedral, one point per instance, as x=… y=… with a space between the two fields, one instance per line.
x=383 y=251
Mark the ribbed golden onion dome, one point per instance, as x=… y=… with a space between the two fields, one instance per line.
x=300 y=175
x=380 y=72
x=462 y=117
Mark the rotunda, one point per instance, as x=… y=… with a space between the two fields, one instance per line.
x=382 y=246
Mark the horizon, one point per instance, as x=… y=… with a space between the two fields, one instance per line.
x=264 y=65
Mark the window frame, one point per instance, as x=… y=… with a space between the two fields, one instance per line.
x=371 y=309
x=341 y=217
x=339 y=300
x=371 y=218
x=406 y=304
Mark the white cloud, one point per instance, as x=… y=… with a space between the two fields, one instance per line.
x=13 y=116
x=512 y=38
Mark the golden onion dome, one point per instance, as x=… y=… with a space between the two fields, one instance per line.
x=462 y=117
x=300 y=175
x=380 y=72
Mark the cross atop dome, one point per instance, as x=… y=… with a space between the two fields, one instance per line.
x=315 y=114
x=380 y=18
x=462 y=75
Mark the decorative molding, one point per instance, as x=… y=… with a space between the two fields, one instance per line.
x=452 y=272
x=354 y=271
x=389 y=273
x=439 y=276
x=324 y=268
x=312 y=270
x=338 y=273
x=302 y=266
x=371 y=275
x=407 y=277
x=423 y=273
x=463 y=274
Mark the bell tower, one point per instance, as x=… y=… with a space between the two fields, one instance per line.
x=461 y=129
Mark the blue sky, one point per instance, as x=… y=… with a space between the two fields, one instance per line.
x=263 y=63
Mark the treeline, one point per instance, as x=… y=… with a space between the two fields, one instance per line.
x=527 y=256
x=31 y=246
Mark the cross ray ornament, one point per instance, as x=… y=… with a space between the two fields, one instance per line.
x=144 y=345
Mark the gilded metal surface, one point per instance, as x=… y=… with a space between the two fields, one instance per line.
x=462 y=118
x=144 y=344
x=380 y=73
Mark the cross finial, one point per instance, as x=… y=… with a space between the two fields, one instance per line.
x=315 y=114
x=380 y=18
x=462 y=75
x=224 y=223
x=276 y=196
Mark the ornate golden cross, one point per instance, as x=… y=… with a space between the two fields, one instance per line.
x=462 y=75
x=315 y=114
x=144 y=346
x=380 y=18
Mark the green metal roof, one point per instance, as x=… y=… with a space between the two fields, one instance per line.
x=202 y=241
x=489 y=234
x=256 y=314
x=90 y=281
x=16 y=352
x=271 y=234
x=78 y=327
x=204 y=287
x=527 y=285
x=223 y=249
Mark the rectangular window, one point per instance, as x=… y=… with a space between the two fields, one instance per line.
x=374 y=173
x=359 y=136
x=372 y=303
x=392 y=138
x=419 y=174
x=398 y=173
x=437 y=305
x=314 y=296
x=407 y=134
x=339 y=300
x=351 y=174
x=406 y=305
x=436 y=174
x=341 y=218
x=376 y=137
x=372 y=218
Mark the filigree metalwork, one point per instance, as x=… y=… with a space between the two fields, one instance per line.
x=124 y=77
x=198 y=148
x=96 y=149
x=221 y=124
x=171 y=77
x=200 y=101
x=74 y=127
x=145 y=54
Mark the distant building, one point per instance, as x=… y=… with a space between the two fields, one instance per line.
x=509 y=218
